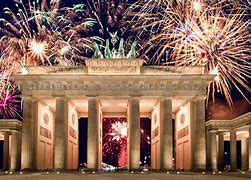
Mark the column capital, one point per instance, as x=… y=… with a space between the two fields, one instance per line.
x=200 y=98
x=6 y=133
x=213 y=132
x=59 y=97
x=221 y=133
x=243 y=138
x=135 y=97
x=233 y=131
x=89 y=97
x=27 y=97
x=161 y=98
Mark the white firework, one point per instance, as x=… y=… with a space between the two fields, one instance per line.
x=119 y=130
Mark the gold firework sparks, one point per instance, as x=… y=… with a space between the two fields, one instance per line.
x=39 y=33
x=213 y=34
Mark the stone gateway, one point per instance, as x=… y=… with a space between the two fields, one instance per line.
x=54 y=98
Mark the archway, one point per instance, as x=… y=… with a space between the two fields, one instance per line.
x=114 y=142
x=83 y=124
x=145 y=142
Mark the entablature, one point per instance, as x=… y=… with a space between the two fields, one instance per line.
x=229 y=125
x=7 y=125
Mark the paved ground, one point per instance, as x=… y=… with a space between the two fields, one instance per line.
x=124 y=176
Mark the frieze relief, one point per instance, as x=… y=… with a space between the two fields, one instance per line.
x=113 y=66
x=183 y=132
x=113 y=69
x=72 y=132
x=45 y=132
x=155 y=133
x=52 y=69
x=88 y=85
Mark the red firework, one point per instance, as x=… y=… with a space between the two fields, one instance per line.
x=114 y=141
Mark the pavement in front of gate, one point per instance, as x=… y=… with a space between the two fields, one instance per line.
x=124 y=176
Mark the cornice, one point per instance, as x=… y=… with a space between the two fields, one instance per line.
x=7 y=125
x=235 y=123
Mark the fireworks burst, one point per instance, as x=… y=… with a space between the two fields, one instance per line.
x=114 y=139
x=111 y=19
x=212 y=34
x=42 y=34
x=108 y=14
x=118 y=130
x=9 y=97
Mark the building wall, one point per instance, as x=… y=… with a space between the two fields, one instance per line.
x=72 y=153
x=45 y=137
x=182 y=135
x=155 y=136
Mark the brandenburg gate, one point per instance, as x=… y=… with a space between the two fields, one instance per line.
x=54 y=98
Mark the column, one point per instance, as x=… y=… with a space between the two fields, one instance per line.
x=213 y=151
x=29 y=114
x=15 y=154
x=244 y=154
x=6 y=152
x=208 y=152
x=198 y=133
x=166 y=134
x=93 y=134
x=249 y=148
x=134 y=133
x=61 y=134
x=233 y=153
x=220 y=153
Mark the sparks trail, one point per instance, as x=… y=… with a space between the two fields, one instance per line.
x=213 y=34
x=42 y=34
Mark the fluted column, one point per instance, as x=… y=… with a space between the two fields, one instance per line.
x=220 y=153
x=93 y=134
x=29 y=120
x=134 y=133
x=213 y=151
x=198 y=133
x=233 y=151
x=166 y=134
x=208 y=152
x=6 y=151
x=15 y=155
x=61 y=133
x=244 y=154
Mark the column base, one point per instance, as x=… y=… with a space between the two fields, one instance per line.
x=212 y=170
x=92 y=170
x=135 y=170
x=26 y=170
x=199 y=170
x=233 y=170
x=14 y=170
